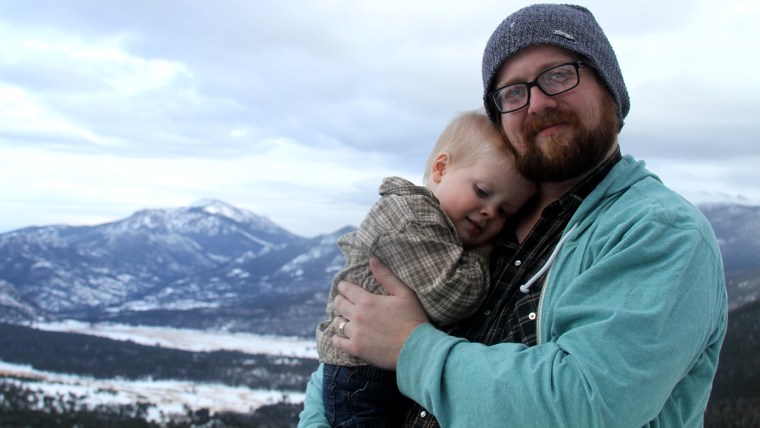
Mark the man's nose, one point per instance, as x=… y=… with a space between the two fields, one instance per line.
x=539 y=101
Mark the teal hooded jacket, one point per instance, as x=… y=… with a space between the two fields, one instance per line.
x=631 y=321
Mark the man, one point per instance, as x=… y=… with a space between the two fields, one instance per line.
x=608 y=302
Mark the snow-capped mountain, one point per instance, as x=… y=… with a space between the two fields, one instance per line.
x=166 y=266
x=211 y=265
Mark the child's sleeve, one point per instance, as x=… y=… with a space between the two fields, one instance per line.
x=450 y=282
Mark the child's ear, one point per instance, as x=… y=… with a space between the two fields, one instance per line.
x=439 y=166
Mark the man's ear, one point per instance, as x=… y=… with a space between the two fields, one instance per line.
x=440 y=164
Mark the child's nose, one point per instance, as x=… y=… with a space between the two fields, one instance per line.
x=488 y=211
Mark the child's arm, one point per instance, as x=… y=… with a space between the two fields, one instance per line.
x=451 y=282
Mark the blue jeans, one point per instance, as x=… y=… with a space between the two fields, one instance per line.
x=363 y=396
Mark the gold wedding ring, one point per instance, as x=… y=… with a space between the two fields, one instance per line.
x=341 y=326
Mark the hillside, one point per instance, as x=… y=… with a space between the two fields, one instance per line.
x=204 y=266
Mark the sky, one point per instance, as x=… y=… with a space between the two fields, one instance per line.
x=296 y=110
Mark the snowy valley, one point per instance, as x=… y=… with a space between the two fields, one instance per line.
x=165 y=398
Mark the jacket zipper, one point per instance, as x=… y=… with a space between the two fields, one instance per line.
x=539 y=311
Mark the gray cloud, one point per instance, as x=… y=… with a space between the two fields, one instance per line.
x=369 y=83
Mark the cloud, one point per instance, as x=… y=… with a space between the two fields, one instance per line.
x=298 y=112
x=299 y=187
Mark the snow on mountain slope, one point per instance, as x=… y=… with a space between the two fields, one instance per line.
x=190 y=340
x=159 y=264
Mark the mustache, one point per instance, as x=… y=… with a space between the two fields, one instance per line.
x=535 y=124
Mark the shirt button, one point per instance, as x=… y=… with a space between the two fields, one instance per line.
x=518 y=262
x=423 y=414
x=532 y=316
x=487 y=312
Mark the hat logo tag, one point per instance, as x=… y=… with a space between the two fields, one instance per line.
x=563 y=34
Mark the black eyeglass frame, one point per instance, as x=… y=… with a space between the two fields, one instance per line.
x=529 y=85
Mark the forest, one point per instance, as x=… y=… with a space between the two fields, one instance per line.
x=735 y=398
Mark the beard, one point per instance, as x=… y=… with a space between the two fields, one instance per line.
x=562 y=158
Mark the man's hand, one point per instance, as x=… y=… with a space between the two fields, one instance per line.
x=377 y=326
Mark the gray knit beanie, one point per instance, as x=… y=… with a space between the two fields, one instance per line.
x=566 y=26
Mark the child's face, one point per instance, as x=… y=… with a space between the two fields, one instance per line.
x=478 y=198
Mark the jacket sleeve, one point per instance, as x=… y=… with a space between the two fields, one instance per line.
x=632 y=328
x=313 y=413
x=450 y=282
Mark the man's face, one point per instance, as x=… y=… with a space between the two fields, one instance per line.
x=561 y=137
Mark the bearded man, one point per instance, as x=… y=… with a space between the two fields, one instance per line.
x=608 y=301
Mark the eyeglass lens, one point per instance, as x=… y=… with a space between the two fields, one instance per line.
x=553 y=81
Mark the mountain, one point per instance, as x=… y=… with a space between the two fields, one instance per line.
x=209 y=264
x=15 y=308
x=213 y=266
x=737 y=227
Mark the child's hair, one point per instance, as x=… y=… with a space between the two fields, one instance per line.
x=466 y=140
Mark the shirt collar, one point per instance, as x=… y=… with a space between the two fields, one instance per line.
x=578 y=193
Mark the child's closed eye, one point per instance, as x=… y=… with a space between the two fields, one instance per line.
x=481 y=192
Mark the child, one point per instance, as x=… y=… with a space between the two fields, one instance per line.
x=436 y=239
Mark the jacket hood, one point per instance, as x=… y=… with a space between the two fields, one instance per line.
x=626 y=174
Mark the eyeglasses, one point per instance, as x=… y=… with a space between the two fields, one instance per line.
x=554 y=81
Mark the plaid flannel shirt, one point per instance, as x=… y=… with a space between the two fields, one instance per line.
x=410 y=233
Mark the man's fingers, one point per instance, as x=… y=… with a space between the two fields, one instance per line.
x=375 y=327
x=351 y=292
x=341 y=340
x=340 y=325
x=345 y=302
x=342 y=343
x=386 y=278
